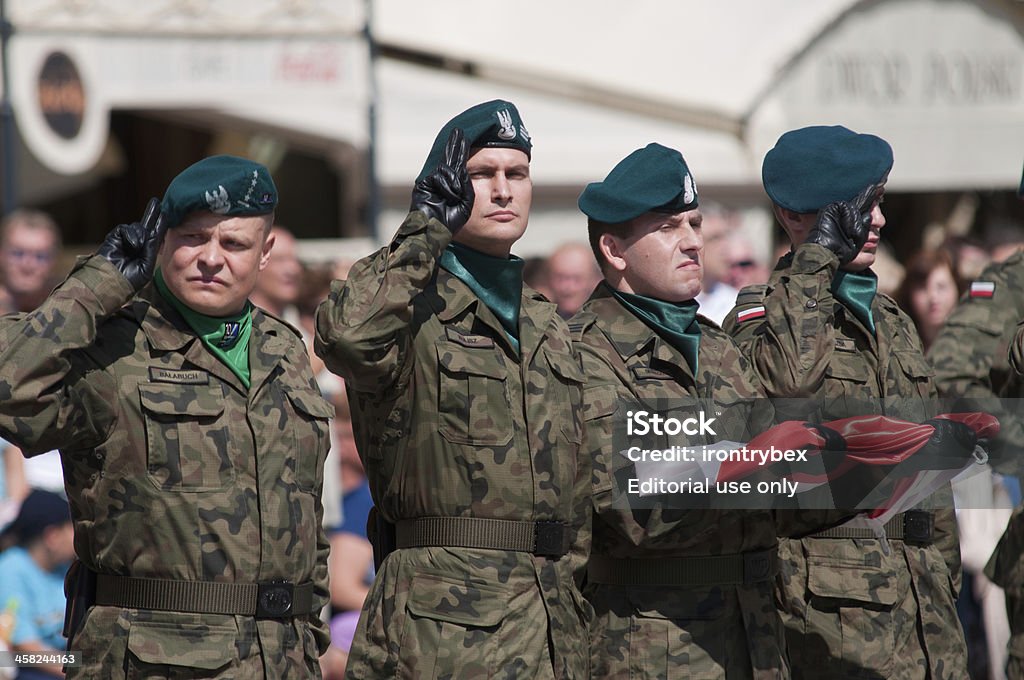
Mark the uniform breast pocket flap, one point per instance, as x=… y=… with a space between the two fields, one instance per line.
x=566 y=394
x=473 y=401
x=188 y=441
x=312 y=434
x=854 y=370
x=914 y=364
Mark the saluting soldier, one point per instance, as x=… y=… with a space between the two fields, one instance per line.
x=465 y=397
x=986 y=320
x=853 y=605
x=192 y=436
x=675 y=585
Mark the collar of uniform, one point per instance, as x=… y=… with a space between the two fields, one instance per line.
x=627 y=338
x=456 y=297
x=165 y=328
x=268 y=346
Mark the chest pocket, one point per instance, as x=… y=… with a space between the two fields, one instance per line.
x=187 y=437
x=567 y=388
x=911 y=370
x=473 y=403
x=311 y=431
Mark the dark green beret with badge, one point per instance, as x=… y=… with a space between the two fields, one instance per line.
x=652 y=179
x=814 y=166
x=491 y=124
x=225 y=185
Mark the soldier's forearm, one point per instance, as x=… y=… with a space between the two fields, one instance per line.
x=35 y=351
x=362 y=328
x=792 y=351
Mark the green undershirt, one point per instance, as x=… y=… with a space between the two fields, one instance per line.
x=856 y=290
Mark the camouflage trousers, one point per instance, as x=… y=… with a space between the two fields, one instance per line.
x=151 y=645
x=852 y=610
x=725 y=632
x=457 y=613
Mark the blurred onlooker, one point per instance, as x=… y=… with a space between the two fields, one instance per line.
x=929 y=292
x=572 y=276
x=278 y=283
x=537 y=276
x=1003 y=240
x=6 y=301
x=29 y=245
x=351 y=560
x=32 y=578
x=716 y=297
x=744 y=266
x=968 y=255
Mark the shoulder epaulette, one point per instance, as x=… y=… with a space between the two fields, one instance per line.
x=752 y=295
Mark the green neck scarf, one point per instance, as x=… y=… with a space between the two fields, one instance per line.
x=856 y=290
x=497 y=281
x=227 y=337
x=676 y=322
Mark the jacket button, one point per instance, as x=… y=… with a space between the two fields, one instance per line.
x=811 y=304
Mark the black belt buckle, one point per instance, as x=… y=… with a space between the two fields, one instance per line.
x=549 y=539
x=758 y=566
x=274 y=599
x=918 y=527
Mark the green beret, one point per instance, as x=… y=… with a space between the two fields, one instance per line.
x=652 y=179
x=492 y=124
x=814 y=166
x=225 y=185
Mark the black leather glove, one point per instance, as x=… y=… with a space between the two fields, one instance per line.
x=447 y=193
x=949 y=446
x=132 y=248
x=843 y=226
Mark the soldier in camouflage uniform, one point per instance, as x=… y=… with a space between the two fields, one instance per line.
x=192 y=436
x=676 y=589
x=465 y=397
x=854 y=606
x=986 y=321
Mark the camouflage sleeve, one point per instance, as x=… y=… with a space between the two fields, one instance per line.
x=362 y=329
x=1017 y=351
x=967 y=350
x=45 y=404
x=583 y=519
x=791 y=345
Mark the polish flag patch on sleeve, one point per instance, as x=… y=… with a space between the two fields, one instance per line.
x=750 y=314
x=983 y=289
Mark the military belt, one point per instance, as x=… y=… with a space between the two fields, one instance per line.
x=913 y=526
x=545 y=539
x=266 y=600
x=712 y=570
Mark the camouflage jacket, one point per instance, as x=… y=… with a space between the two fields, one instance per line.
x=450 y=421
x=970 y=357
x=970 y=352
x=646 y=629
x=810 y=347
x=174 y=470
